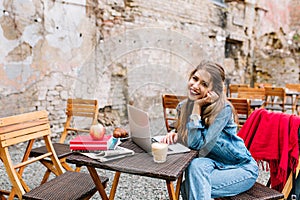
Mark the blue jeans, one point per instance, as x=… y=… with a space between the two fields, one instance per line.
x=204 y=180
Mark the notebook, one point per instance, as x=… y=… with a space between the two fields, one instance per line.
x=139 y=127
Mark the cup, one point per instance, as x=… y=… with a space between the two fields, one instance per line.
x=159 y=152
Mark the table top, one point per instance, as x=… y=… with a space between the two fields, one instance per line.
x=141 y=163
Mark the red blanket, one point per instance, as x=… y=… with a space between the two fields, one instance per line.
x=273 y=137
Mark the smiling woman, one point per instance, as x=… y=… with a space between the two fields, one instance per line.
x=206 y=122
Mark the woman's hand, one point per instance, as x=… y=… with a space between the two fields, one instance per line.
x=211 y=97
x=170 y=138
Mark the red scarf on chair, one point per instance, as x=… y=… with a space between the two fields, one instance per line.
x=273 y=137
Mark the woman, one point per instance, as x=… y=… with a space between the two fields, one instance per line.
x=207 y=123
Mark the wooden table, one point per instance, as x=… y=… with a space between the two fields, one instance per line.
x=140 y=164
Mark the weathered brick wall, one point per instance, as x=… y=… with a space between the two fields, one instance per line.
x=120 y=51
x=294 y=15
x=276 y=49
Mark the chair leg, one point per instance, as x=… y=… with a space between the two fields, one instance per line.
x=77 y=169
x=66 y=166
x=11 y=195
x=46 y=176
x=50 y=168
x=3 y=193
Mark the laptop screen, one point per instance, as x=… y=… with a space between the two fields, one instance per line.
x=139 y=127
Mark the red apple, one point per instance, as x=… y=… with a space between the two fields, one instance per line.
x=97 y=131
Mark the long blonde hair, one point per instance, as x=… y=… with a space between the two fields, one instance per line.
x=209 y=112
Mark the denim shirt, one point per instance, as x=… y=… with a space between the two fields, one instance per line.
x=219 y=141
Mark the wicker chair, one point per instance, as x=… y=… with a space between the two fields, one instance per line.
x=30 y=127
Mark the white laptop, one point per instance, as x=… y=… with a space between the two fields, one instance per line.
x=139 y=126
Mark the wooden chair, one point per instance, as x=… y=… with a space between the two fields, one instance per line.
x=242 y=108
x=170 y=102
x=233 y=89
x=29 y=127
x=76 y=108
x=293 y=96
x=262 y=85
x=251 y=93
x=275 y=98
x=79 y=108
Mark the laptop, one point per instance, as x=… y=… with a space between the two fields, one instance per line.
x=139 y=127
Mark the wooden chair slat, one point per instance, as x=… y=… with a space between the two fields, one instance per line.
x=262 y=85
x=18 y=126
x=80 y=114
x=233 y=88
x=23 y=117
x=293 y=86
x=251 y=93
x=81 y=101
x=14 y=131
x=81 y=108
x=22 y=138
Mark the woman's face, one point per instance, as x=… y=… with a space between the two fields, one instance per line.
x=199 y=84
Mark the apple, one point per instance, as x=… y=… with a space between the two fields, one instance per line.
x=97 y=131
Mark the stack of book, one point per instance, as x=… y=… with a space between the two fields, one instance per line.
x=87 y=143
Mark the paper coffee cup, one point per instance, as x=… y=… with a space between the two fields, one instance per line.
x=159 y=152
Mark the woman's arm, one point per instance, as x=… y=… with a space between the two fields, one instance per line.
x=199 y=136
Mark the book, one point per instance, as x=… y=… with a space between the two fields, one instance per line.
x=86 y=143
x=87 y=139
x=104 y=156
x=88 y=147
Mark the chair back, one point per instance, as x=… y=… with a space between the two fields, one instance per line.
x=242 y=109
x=170 y=102
x=233 y=89
x=251 y=93
x=22 y=128
x=275 y=98
x=293 y=86
x=293 y=96
x=85 y=108
x=262 y=85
